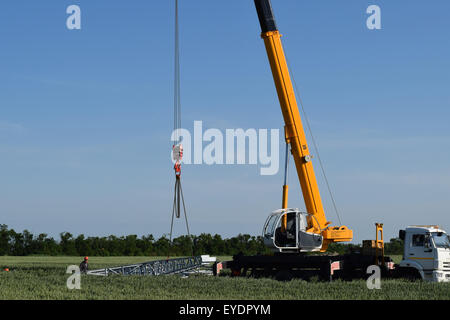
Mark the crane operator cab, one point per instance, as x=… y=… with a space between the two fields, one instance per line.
x=295 y=238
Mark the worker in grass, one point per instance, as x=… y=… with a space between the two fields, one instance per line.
x=84 y=265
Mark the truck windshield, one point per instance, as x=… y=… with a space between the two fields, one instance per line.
x=441 y=240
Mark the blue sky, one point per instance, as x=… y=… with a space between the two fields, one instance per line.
x=86 y=115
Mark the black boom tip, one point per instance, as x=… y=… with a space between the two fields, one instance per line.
x=265 y=15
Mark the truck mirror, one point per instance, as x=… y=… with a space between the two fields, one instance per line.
x=401 y=234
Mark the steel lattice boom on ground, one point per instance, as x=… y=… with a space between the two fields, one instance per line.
x=156 y=267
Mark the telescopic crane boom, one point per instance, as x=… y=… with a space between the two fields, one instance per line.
x=315 y=221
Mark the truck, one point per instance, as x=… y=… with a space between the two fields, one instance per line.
x=426 y=254
x=299 y=240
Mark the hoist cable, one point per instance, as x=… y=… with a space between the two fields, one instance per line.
x=177 y=91
x=178 y=199
x=184 y=209
x=173 y=214
x=314 y=142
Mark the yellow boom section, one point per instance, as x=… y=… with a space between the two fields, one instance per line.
x=295 y=134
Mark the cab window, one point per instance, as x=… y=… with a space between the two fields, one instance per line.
x=418 y=240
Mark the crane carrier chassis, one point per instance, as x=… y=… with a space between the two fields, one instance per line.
x=284 y=267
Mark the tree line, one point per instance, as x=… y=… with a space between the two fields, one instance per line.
x=25 y=243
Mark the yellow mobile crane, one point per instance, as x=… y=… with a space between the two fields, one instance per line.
x=289 y=232
x=306 y=231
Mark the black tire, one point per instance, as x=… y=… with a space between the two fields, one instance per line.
x=410 y=274
x=284 y=275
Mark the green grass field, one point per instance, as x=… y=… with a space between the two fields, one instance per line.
x=39 y=277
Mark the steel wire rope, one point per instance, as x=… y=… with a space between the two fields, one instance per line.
x=178 y=191
x=316 y=148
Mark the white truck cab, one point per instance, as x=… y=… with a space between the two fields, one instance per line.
x=426 y=252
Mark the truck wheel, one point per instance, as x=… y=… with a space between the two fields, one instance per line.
x=284 y=275
x=235 y=272
x=414 y=275
x=410 y=274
